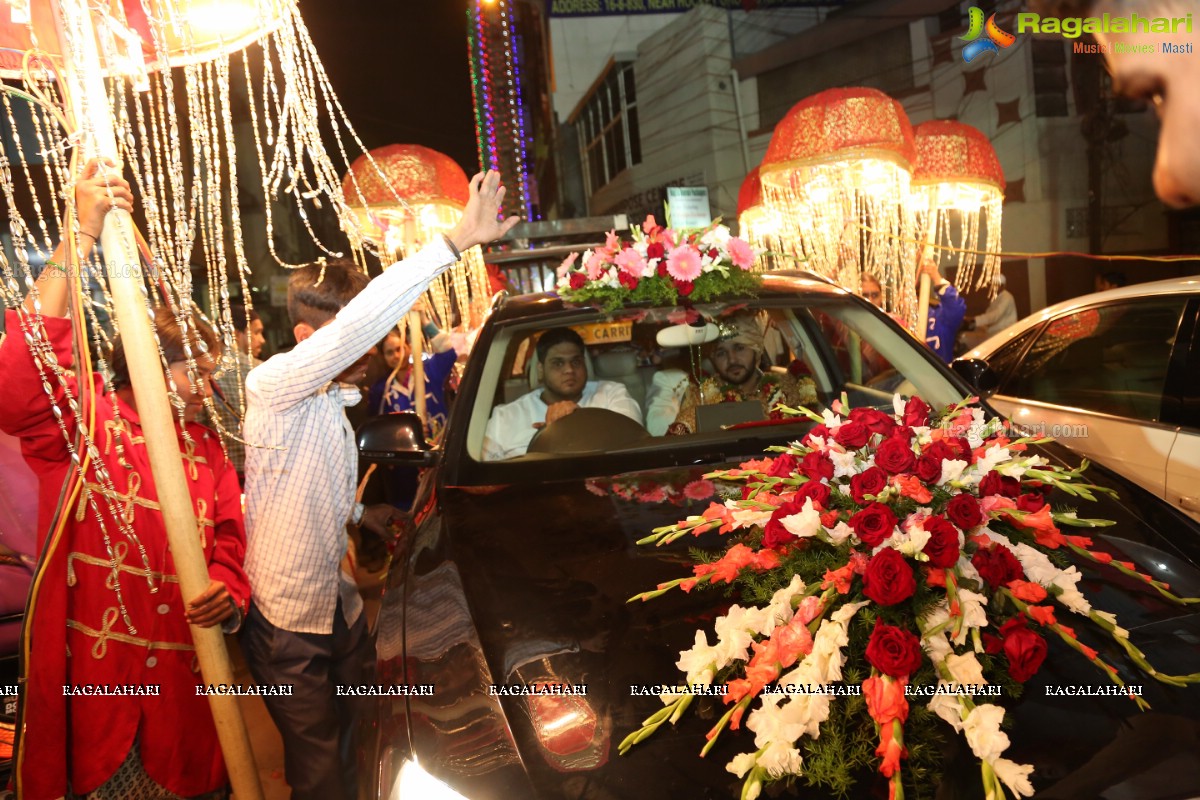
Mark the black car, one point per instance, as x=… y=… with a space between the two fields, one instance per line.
x=518 y=572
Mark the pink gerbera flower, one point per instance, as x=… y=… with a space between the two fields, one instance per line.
x=683 y=263
x=699 y=489
x=630 y=262
x=595 y=266
x=740 y=253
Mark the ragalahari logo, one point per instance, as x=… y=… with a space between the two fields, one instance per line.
x=996 y=38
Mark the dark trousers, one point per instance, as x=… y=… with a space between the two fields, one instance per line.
x=317 y=726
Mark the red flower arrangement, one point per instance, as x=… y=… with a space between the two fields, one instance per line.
x=939 y=535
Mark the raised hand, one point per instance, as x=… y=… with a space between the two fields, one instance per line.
x=480 y=223
x=99 y=190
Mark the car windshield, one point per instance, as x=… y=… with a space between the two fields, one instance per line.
x=641 y=388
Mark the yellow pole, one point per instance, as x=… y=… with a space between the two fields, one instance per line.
x=418 y=365
x=93 y=116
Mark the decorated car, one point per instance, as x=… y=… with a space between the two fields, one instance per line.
x=550 y=628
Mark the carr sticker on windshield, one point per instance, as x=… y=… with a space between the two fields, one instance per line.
x=605 y=332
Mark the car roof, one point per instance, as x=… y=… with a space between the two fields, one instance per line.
x=776 y=284
x=1188 y=285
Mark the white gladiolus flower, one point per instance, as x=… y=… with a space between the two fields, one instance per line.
x=741 y=764
x=991 y=457
x=804 y=524
x=748 y=517
x=1036 y=565
x=951 y=469
x=965 y=669
x=898 y=405
x=840 y=533
x=1067 y=581
x=974 y=614
x=948 y=708
x=911 y=541
x=843 y=464
x=1015 y=776
x=735 y=632
x=781 y=759
x=831 y=420
x=936 y=646
x=982 y=728
x=700 y=662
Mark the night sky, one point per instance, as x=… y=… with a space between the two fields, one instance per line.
x=400 y=69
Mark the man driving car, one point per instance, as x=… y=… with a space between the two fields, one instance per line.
x=565 y=387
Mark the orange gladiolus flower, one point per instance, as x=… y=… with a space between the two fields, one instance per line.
x=1028 y=591
x=1044 y=615
x=911 y=486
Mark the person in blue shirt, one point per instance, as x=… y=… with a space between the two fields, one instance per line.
x=946 y=312
x=394 y=393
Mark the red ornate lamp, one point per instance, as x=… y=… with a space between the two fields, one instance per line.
x=838 y=169
x=958 y=196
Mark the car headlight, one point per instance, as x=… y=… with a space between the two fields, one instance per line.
x=414 y=783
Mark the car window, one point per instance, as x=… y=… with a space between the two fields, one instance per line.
x=664 y=394
x=1112 y=359
x=1005 y=358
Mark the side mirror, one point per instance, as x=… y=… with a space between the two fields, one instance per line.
x=395 y=439
x=976 y=372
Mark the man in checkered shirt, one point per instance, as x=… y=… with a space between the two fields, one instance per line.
x=305 y=627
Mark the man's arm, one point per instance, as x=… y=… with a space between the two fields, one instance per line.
x=287 y=378
x=995 y=311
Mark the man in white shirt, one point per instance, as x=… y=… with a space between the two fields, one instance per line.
x=305 y=628
x=1001 y=313
x=565 y=388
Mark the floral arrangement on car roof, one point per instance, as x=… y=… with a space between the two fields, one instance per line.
x=660 y=265
x=883 y=551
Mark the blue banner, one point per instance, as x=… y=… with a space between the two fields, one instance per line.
x=604 y=8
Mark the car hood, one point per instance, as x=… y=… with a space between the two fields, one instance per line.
x=529 y=585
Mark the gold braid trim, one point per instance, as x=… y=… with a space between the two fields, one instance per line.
x=102 y=636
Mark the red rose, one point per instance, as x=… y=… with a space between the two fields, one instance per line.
x=852 y=435
x=960 y=449
x=888 y=579
x=819 y=492
x=684 y=288
x=893 y=651
x=940 y=451
x=1024 y=649
x=929 y=469
x=916 y=413
x=783 y=466
x=895 y=455
x=817 y=465
x=655 y=250
x=578 y=279
x=942 y=547
x=714 y=253
x=997 y=565
x=871 y=481
x=963 y=510
x=774 y=534
x=875 y=420
x=662 y=269
x=873 y=524
x=995 y=483
x=627 y=280
x=1031 y=502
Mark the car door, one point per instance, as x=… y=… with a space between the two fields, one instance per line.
x=1095 y=378
x=1183 y=409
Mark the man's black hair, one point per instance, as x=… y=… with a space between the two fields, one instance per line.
x=556 y=336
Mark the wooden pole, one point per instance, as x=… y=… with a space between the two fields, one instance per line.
x=418 y=365
x=93 y=117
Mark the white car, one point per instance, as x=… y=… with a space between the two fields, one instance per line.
x=1116 y=377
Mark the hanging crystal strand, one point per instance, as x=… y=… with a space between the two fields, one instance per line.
x=268 y=196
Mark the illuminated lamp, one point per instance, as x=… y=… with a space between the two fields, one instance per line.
x=837 y=169
x=958 y=197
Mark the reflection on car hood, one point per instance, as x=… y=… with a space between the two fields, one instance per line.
x=528 y=584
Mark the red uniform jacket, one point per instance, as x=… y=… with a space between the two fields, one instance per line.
x=76 y=633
